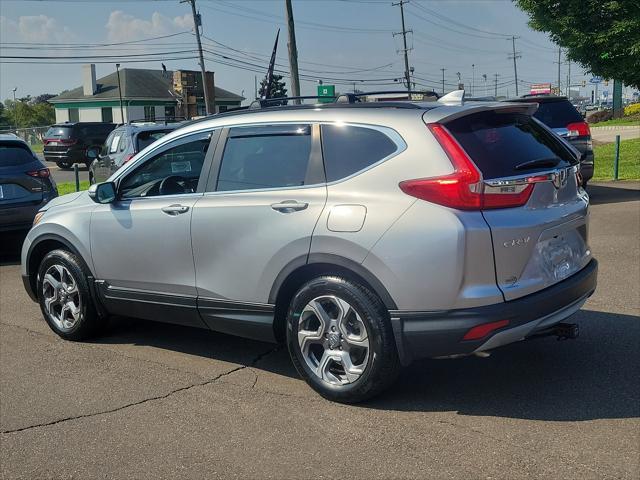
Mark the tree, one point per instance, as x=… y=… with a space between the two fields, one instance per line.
x=31 y=112
x=601 y=35
x=278 y=88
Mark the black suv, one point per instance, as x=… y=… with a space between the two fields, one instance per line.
x=561 y=116
x=67 y=143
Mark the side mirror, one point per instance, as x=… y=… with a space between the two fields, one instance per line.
x=93 y=153
x=103 y=192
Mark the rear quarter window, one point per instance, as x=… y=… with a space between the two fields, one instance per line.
x=348 y=149
x=557 y=114
x=499 y=142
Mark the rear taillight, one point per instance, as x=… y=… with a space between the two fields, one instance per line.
x=464 y=189
x=42 y=173
x=578 y=129
x=61 y=141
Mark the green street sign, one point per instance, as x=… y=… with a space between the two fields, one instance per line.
x=328 y=91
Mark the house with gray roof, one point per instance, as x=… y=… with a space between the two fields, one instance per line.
x=146 y=95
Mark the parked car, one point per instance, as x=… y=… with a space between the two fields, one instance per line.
x=122 y=144
x=25 y=184
x=67 y=143
x=363 y=235
x=564 y=119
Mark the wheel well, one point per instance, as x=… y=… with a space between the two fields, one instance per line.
x=38 y=253
x=302 y=275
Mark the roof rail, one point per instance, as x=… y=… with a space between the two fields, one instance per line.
x=165 y=120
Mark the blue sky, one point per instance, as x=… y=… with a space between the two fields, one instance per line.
x=352 y=39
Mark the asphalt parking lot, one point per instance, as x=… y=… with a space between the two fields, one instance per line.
x=159 y=401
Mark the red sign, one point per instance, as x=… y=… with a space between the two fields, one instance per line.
x=540 y=88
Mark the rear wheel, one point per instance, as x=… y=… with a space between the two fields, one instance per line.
x=64 y=296
x=64 y=164
x=340 y=340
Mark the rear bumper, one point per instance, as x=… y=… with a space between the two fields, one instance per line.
x=438 y=334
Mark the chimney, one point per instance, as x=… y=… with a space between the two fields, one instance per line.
x=89 y=79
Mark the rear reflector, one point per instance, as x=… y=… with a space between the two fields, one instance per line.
x=579 y=129
x=481 y=331
x=42 y=173
x=463 y=189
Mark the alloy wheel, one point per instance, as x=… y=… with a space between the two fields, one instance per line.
x=62 y=299
x=333 y=340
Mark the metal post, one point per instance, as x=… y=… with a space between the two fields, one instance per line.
x=120 y=92
x=559 y=59
x=15 y=109
x=293 y=51
x=616 y=160
x=205 y=87
x=515 y=56
x=404 y=32
x=443 y=69
x=473 y=78
x=496 y=77
x=77 y=175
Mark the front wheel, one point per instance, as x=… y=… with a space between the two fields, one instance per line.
x=340 y=339
x=64 y=296
x=64 y=164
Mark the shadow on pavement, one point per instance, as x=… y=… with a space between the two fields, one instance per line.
x=593 y=377
x=10 y=247
x=612 y=193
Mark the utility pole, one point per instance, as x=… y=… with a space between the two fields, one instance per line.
x=197 y=23
x=569 y=79
x=496 y=75
x=443 y=69
x=473 y=77
x=515 y=55
x=404 y=32
x=293 y=51
x=484 y=78
x=120 y=92
x=559 y=62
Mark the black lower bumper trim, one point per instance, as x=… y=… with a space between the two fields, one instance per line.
x=437 y=334
x=26 y=280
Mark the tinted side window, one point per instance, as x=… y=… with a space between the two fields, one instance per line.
x=175 y=170
x=348 y=149
x=557 y=114
x=498 y=142
x=265 y=157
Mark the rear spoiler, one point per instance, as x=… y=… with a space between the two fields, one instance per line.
x=470 y=107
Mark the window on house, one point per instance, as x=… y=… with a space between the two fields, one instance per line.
x=149 y=114
x=74 y=115
x=107 y=115
x=170 y=112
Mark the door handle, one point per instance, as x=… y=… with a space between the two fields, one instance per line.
x=289 y=206
x=175 y=209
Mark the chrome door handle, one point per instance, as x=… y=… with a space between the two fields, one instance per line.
x=289 y=206
x=175 y=209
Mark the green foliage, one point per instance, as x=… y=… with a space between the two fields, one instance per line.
x=31 y=112
x=602 y=35
x=633 y=109
x=278 y=88
x=70 y=187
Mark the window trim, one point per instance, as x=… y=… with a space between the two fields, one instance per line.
x=214 y=135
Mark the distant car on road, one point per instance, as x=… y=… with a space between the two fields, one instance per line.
x=25 y=184
x=561 y=116
x=122 y=144
x=67 y=143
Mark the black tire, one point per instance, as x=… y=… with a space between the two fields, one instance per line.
x=89 y=322
x=382 y=366
x=64 y=164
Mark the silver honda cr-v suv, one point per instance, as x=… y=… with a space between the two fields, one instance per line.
x=364 y=235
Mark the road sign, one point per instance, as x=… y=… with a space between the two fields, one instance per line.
x=540 y=88
x=328 y=91
x=595 y=80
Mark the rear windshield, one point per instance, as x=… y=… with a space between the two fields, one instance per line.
x=557 y=114
x=13 y=154
x=147 y=137
x=58 y=132
x=504 y=144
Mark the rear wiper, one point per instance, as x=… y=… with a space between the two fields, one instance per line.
x=538 y=163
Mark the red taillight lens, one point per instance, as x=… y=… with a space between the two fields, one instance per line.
x=481 y=331
x=579 y=129
x=42 y=173
x=463 y=189
x=128 y=157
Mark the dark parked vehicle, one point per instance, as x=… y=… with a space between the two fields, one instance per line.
x=121 y=146
x=561 y=116
x=25 y=184
x=67 y=143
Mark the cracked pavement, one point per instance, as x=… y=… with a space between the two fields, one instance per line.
x=160 y=401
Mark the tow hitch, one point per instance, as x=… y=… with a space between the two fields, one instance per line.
x=563 y=331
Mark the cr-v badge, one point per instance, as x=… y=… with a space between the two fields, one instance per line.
x=516 y=242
